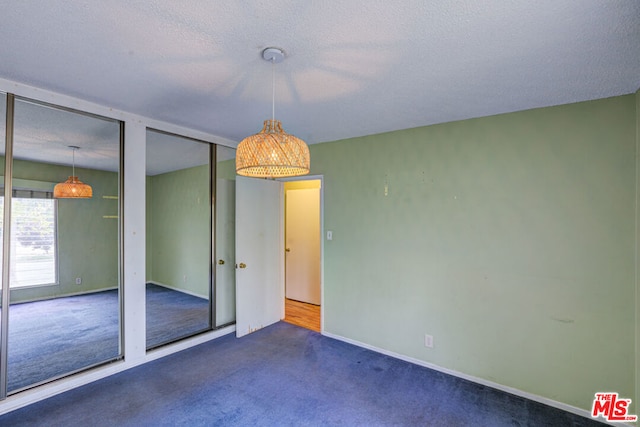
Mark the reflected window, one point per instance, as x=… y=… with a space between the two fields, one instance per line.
x=33 y=241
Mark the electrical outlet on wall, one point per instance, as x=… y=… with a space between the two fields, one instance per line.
x=78 y=280
x=428 y=341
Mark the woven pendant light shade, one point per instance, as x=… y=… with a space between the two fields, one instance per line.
x=272 y=153
x=72 y=188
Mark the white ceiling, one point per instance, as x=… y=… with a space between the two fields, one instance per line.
x=352 y=68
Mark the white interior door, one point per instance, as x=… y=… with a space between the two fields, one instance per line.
x=259 y=254
x=302 y=269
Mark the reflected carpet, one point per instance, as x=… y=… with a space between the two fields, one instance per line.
x=54 y=337
x=172 y=315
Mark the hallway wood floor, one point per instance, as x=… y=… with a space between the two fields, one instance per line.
x=302 y=314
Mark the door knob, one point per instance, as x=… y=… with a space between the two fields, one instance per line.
x=221 y=261
x=243 y=265
x=288 y=250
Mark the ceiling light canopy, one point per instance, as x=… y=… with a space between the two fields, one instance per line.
x=272 y=153
x=72 y=188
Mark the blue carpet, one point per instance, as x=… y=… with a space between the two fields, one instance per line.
x=284 y=375
x=54 y=337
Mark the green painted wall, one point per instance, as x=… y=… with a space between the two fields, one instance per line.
x=178 y=217
x=87 y=242
x=509 y=238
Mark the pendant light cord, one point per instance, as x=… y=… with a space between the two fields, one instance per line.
x=73 y=162
x=273 y=88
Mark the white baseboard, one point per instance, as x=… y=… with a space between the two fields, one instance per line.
x=71 y=294
x=173 y=288
x=511 y=390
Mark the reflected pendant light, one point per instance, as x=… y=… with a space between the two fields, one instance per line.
x=72 y=188
x=272 y=153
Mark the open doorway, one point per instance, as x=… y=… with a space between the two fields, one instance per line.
x=303 y=253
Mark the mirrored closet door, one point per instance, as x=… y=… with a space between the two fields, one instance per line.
x=225 y=247
x=64 y=270
x=3 y=315
x=179 y=234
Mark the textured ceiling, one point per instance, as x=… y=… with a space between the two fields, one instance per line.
x=352 y=68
